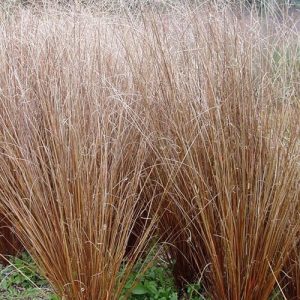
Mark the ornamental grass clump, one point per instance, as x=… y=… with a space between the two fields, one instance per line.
x=71 y=153
x=223 y=96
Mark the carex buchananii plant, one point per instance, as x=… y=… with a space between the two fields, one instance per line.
x=71 y=153
x=222 y=94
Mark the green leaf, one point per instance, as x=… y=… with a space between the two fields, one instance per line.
x=4 y=284
x=53 y=297
x=139 y=290
x=151 y=286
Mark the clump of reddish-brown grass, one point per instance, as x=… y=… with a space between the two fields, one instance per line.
x=222 y=95
x=71 y=153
